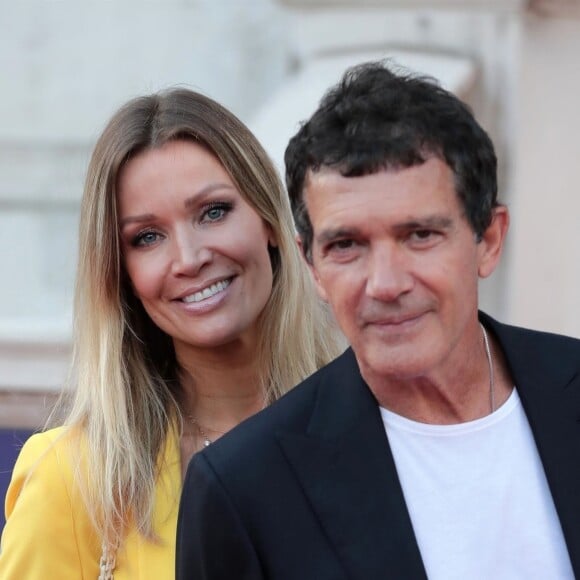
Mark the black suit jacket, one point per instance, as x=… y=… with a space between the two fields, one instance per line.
x=308 y=490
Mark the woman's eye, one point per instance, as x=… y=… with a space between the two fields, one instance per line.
x=145 y=238
x=215 y=212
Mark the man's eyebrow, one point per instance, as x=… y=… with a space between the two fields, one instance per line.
x=436 y=222
x=330 y=235
x=431 y=222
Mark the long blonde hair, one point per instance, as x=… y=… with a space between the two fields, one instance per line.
x=125 y=387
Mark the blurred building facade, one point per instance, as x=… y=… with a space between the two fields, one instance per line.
x=66 y=66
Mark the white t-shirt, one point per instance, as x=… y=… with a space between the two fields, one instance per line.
x=478 y=497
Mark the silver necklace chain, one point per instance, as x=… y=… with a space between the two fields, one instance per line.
x=202 y=432
x=490 y=363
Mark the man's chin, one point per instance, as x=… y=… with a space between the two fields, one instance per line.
x=392 y=363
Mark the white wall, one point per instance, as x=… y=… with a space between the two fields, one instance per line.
x=544 y=281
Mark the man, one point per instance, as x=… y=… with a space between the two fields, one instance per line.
x=443 y=443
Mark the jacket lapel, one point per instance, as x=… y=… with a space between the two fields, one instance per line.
x=546 y=373
x=345 y=466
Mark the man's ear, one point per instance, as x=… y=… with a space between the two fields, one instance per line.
x=319 y=289
x=492 y=241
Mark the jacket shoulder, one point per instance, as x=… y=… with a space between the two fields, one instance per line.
x=43 y=456
x=533 y=351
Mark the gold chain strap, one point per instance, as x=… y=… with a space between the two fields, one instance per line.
x=107 y=562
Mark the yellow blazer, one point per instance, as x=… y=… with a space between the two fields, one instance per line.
x=48 y=533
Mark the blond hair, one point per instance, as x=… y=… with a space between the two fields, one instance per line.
x=125 y=373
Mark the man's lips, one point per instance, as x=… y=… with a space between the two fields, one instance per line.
x=398 y=320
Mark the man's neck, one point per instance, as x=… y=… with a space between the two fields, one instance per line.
x=455 y=393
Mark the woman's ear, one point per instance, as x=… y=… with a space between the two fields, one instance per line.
x=272 y=239
x=491 y=244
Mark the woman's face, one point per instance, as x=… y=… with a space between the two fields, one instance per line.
x=195 y=251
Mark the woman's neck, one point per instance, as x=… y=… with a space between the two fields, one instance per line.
x=215 y=400
x=219 y=391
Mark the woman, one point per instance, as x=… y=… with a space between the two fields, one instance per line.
x=193 y=310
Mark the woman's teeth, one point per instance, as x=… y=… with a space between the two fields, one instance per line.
x=208 y=292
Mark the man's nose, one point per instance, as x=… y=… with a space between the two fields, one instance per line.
x=389 y=275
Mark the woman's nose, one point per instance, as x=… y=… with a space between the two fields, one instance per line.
x=190 y=255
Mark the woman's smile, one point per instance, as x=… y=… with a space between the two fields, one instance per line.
x=209 y=291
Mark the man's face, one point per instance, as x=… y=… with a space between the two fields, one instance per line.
x=398 y=262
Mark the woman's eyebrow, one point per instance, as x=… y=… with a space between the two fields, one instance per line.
x=204 y=191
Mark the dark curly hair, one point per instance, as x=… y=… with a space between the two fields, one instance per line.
x=376 y=118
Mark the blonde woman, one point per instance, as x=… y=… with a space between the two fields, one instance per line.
x=193 y=311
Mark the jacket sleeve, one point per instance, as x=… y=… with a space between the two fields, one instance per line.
x=212 y=543
x=44 y=518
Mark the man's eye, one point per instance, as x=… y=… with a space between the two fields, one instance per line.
x=423 y=235
x=341 y=245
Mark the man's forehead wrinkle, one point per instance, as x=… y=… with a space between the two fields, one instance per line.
x=323 y=172
x=357 y=165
